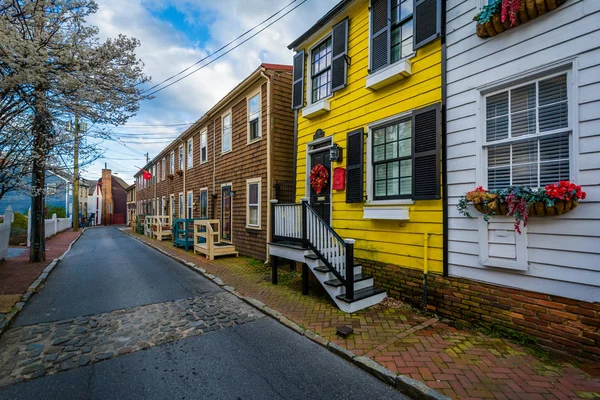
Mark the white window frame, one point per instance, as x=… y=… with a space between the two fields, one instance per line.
x=204 y=134
x=403 y=65
x=181 y=157
x=253 y=181
x=203 y=190
x=181 y=205
x=521 y=243
x=190 y=153
x=172 y=207
x=190 y=204
x=308 y=74
x=230 y=115
x=483 y=147
x=172 y=163
x=164 y=168
x=248 y=98
x=369 y=164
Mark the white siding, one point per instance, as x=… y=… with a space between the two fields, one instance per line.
x=562 y=254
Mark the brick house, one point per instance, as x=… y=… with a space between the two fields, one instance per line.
x=227 y=164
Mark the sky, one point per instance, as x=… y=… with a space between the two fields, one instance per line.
x=175 y=34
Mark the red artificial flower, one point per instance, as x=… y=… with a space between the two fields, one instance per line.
x=318 y=177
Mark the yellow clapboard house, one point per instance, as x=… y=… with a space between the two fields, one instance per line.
x=367 y=90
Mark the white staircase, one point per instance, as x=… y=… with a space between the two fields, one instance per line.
x=299 y=234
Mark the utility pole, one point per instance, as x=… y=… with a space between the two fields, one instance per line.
x=76 y=177
x=147 y=158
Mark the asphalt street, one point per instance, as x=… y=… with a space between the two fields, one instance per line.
x=107 y=270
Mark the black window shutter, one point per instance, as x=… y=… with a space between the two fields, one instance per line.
x=427 y=21
x=339 y=67
x=426 y=152
x=354 y=166
x=298 y=81
x=380 y=34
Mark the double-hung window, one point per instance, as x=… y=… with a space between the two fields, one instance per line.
x=164 y=168
x=172 y=163
x=190 y=205
x=190 y=153
x=226 y=133
x=254 y=117
x=181 y=206
x=181 y=157
x=528 y=134
x=391 y=32
x=320 y=67
x=204 y=203
x=203 y=148
x=253 y=203
x=392 y=160
x=401 y=29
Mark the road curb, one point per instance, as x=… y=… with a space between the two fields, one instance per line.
x=33 y=288
x=415 y=389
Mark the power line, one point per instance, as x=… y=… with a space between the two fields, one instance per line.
x=223 y=47
x=227 y=52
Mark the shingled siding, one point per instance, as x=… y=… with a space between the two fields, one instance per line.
x=246 y=160
x=282 y=121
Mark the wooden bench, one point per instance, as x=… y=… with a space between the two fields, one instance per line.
x=210 y=231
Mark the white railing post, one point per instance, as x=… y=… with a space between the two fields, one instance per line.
x=55 y=221
x=5 y=232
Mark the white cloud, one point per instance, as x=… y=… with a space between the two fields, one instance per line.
x=167 y=49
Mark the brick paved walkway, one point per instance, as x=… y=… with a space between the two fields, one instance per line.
x=16 y=274
x=461 y=364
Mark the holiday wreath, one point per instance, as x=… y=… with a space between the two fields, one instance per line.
x=318 y=177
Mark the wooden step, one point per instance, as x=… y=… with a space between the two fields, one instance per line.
x=361 y=294
x=357 y=278
x=324 y=269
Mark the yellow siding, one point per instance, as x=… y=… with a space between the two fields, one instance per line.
x=391 y=242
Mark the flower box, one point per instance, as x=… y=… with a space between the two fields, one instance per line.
x=523 y=202
x=170 y=176
x=179 y=172
x=498 y=16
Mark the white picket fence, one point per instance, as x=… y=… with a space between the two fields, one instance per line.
x=5 y=232
x=53 y=225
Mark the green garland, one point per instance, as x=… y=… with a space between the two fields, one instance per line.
x=488 y=11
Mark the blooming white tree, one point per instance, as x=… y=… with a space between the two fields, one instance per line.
x=52 y=67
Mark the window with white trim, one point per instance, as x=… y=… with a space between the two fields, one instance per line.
x=320 y=70
x=172 y=162
x=164 y=168
x=190 y=153
x=254 y=117
x=181 y=206
x=190 y=205
x=253 y=203
x=226 y=133
x=528 y=134
x=401 y=29
x=391 y=150
x=204 y=203
x=181 y=156
x=203 y=146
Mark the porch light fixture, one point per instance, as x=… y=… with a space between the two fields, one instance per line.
x=335 y=153
x=232 y=193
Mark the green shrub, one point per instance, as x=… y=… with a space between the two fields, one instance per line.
x=20 y=221
x=59 y=211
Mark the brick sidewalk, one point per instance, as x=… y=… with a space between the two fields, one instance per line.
x=16 y=274
x=461 y=364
